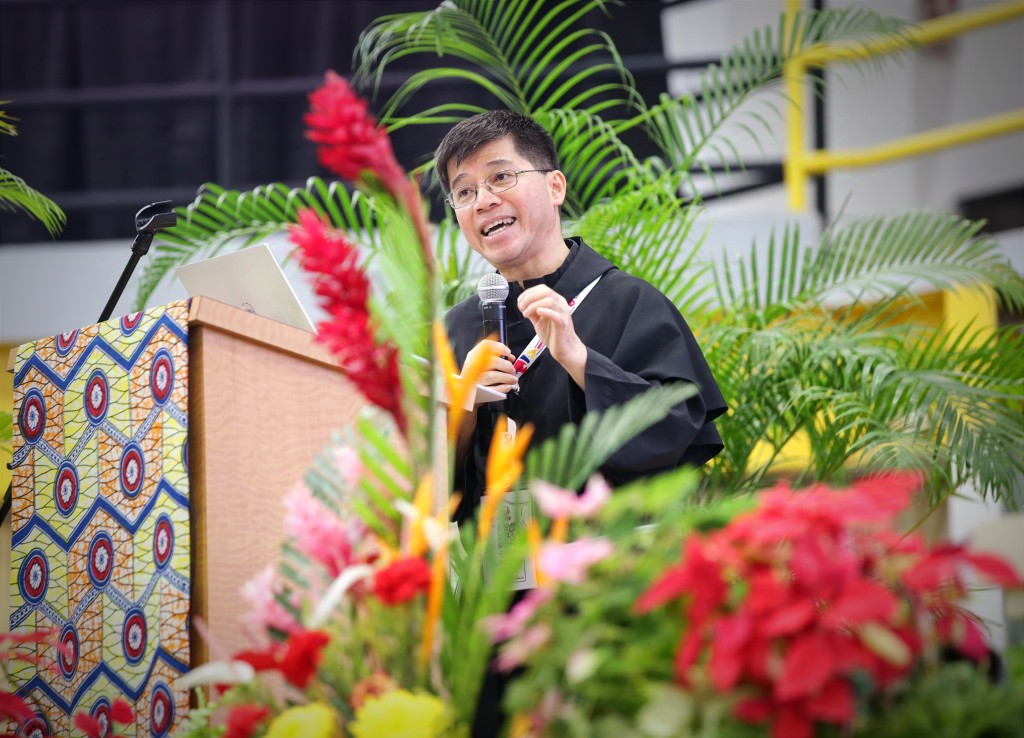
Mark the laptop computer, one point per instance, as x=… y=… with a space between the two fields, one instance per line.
x=250 y=279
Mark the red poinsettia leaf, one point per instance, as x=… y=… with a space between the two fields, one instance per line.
x=931 y=573
x=244 y=719
x=754 y=709
x=834 y=704
x=994 y=569
x=725 y=667
x=767 y=592
x=762 y=662
x=791 y=723
x=806 y=666
x=88 y=725
x=672 y=584
x=733 y=632
x=121 y=711
x=862 y=601
x=962 y=632
x=789 y=619
x=686 y=656
x=13 y=707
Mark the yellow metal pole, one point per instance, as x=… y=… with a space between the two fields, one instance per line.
x=794 y=173
x=927 y=142
x=926 y=33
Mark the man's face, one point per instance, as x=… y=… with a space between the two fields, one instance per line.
x=511 y=229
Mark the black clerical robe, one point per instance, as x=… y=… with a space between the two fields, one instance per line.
x=635 y=339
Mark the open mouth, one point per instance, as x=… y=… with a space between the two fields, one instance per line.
x=497 y=227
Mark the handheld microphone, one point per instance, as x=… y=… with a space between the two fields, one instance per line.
x=492 y=290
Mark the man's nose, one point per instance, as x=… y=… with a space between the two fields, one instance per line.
x=485 y=198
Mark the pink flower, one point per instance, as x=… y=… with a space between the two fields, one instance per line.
x=348 y=464
x=556 y=502
x=568 y=562
x=501 y=627
x=516 y=651
x=267 y=613
x=318 y=532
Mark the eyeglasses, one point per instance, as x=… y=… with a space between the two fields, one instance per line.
x=506 y=179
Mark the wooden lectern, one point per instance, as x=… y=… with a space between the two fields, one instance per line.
x=264 y=400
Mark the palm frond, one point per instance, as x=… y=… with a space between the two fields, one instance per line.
x=578 y=451
x=597 y=163
x=683 y=126
x=527 y=55
x=220 y=219
x=649 y=232
x=16 y=194
x=871 y=261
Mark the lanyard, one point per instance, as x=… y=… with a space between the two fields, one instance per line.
x=536 y=347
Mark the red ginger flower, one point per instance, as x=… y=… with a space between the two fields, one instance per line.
x=826 y=594
x=402 y=580
x=344 y=289
x=349 y=140
x=350 y=143
x=244 y=719
x=13 y=707
x=120 y=712
x=298 y=659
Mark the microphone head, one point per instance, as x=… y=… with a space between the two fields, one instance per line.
x=492 y=288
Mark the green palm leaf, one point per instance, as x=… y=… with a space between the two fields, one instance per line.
x=649 y=232
x=16 y=194
x=220 y=219
x=578 y=451
x=521 y=52
x=867 y=261
x=683 y=126
x=595 y=160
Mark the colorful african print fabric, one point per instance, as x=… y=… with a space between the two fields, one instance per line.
x=100 y=520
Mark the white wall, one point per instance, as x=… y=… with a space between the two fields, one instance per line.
x=977 y=75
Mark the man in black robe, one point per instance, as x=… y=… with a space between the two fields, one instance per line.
x=501 y=172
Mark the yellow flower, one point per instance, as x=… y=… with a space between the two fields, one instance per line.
x=459 y=385
x=401 y=714
x=504 y=465
x=305 y=721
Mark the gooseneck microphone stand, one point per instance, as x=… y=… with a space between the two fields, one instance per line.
x=150 y=219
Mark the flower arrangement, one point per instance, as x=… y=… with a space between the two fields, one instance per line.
x=798 y=614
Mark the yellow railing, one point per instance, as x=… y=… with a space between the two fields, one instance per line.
x=800 y=164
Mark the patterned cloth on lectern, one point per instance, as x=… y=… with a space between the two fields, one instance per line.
x=100 y=520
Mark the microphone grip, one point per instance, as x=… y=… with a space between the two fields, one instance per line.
x=494 y=319
x=493 y=313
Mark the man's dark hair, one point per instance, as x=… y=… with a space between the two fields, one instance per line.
x=532 y=142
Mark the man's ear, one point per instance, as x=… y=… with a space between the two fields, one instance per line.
x=557 y=186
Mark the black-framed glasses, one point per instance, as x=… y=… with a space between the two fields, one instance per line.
x=506 y=179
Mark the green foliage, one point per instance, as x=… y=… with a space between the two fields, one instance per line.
x=953 y=701
x=579 y=450
x=6 y=429
x=17 y=195
x=220 y=219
